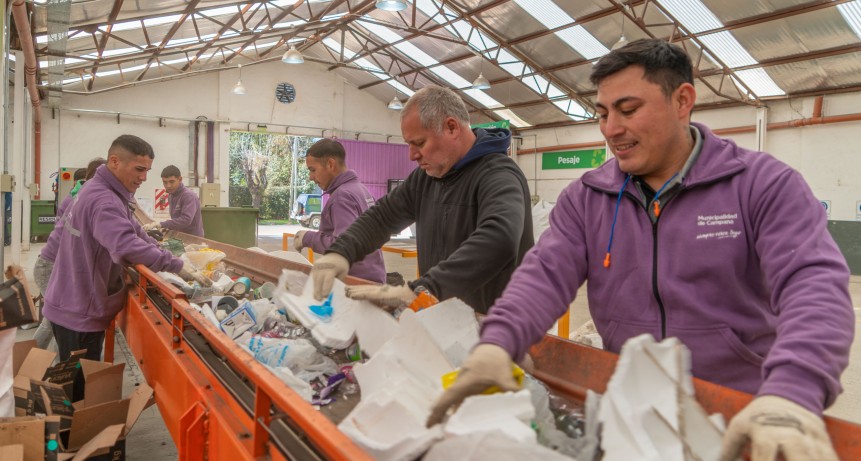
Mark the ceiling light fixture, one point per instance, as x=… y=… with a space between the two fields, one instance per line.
x=239 y=88
x=395 y=103
x=481 y=82
x=293 y=56
x=391 y=5
x=622 y=40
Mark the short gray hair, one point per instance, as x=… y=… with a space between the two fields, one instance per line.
x=435 y=104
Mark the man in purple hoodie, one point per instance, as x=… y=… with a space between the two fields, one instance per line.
x=98 y=236
x=724 y=248
x=348 y=199
x=470 y=203
x=184 y=205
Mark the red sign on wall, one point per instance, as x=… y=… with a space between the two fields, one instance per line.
x=162 y=203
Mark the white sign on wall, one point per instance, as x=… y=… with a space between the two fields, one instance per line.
x=858 y=210
x=827 y=205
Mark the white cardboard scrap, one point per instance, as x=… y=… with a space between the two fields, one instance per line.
x=649 y=412
x=508 y=413
x=452 y=325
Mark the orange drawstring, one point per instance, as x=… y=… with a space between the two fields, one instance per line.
x=607 y=260
x=657 y=208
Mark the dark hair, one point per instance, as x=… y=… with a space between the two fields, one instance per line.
x=328 y=148
x=170 y=171
x=664 y=64
x=133 y=145
x=80 y=174
x=93 y=166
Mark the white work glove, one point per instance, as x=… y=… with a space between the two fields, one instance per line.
x=488 y=365
x=774 y=426
x=150 y=226
x=326 y=269
x=387 y=297
x=190 y=273
x=297 y=241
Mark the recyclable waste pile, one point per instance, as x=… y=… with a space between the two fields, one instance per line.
x=249 y=316
x=393 y=367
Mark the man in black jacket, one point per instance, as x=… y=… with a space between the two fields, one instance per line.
x=470 y=203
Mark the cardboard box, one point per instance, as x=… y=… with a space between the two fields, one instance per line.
x=16 y=305
x=28 y=431
x=93 y=428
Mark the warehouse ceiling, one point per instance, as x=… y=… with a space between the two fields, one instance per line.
x=537 y=54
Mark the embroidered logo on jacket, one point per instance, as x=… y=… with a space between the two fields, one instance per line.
x=714 y=226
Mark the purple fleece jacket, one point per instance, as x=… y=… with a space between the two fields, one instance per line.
x=99 y=236
x=348 y=199
x=184 y=208
x=740 y=266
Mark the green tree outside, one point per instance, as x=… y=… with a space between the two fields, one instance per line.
x=261 y=171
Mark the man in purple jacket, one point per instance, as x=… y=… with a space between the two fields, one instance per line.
x=98 y=236
x=348 y=199
x=724 y=248
x=184 y=205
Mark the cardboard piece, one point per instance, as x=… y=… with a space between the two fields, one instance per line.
x=12 y=452
x=33 y=367
x=453 y=326
x=16 y=305
x=508 y=413
x=103 y=381
x=54 y=398
x=28 y=431
x=94 y=428
x=106 y=439
x=649 y=412
x=19 y=353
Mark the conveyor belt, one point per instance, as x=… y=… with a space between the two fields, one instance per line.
x=219 y=403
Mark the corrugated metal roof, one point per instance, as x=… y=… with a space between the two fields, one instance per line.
x=802 y=46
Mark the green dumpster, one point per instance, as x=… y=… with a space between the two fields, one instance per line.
x=234 y=226
x=42 y=219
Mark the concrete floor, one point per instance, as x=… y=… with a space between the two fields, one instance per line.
x=149 y=439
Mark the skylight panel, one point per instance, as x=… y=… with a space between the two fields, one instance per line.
x=697 y=18
x=136 y=24
x=507 y=114
x=451 y=77
x=572 y=108
x=728 y=49
x=220 y=11
x=851 y=12
x=416 y=54
x=401 y=87
x=546 y=12
x=578 y=38
x=553 y=92
x=759 y=82
x=330 y=17
x=284 y=24
x=483 y=98
x=509 y=63
x=693 y=14
x=335 y=46
x=371 y=69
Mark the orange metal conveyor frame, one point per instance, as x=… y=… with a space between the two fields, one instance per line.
x=219 y=403
x=202 y=401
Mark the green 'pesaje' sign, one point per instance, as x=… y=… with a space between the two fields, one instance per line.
x=498 y=124
x=592 y=158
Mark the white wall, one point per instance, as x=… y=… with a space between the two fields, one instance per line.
x=324 y=101
x=827 y=156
